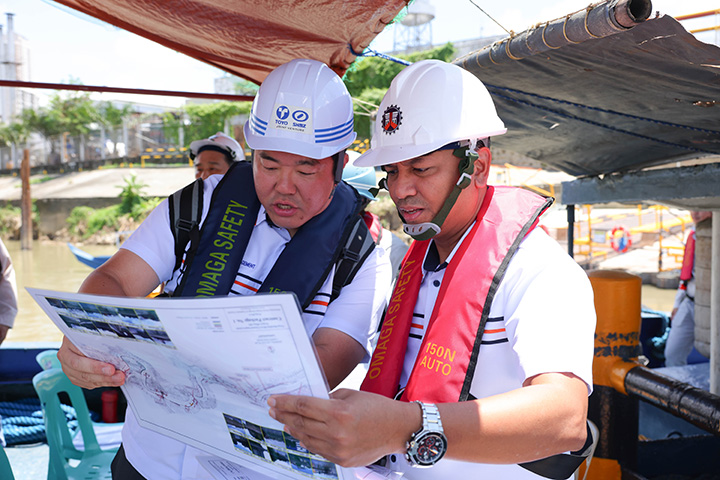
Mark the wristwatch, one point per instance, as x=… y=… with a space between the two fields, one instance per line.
x=428 y=445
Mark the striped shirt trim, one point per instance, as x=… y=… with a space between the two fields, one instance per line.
x=495 y=332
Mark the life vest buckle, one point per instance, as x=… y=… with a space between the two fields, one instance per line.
x=185 y=225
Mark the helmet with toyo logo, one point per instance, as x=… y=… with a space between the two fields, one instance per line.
x=361 y=178
x=430 y=104
x=303 y=108
x=221 y=143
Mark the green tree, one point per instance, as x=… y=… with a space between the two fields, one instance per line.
x=204 y=119
x=71 y=112
x=245 y=87
x=111 y=117
x=369 y=78
x=16 y=133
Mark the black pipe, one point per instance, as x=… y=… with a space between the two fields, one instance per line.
x=571 y=230
x=692 y=404
x=596 y=21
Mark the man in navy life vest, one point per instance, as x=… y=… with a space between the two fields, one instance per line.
x=275 y=224
x=483 y=364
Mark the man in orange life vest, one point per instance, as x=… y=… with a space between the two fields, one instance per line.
x=487 y=341
x=682 y=331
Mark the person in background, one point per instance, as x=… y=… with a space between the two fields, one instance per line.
x=215 y=155
x=292 y=230
x=8 y=301
x=487 y=342
x=8 y=293
x=682 y=321
x=363 y=179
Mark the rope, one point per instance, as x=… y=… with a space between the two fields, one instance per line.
x=612 y=112
x=369 y=52
x=22 y=421
x=602 y=125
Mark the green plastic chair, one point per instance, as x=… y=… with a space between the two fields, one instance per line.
x=67 y=462
x=48 y=359
x=5 y=468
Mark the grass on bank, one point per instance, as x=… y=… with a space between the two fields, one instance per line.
x=86 y=221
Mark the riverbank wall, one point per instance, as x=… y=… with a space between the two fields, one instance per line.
x=56 y=195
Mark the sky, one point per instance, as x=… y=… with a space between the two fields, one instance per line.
x=66 y=44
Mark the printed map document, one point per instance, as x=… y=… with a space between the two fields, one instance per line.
x=201 y=370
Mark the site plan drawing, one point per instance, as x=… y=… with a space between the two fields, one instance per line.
x=201 y=370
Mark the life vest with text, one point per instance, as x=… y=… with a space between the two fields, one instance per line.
x=303 y=265
x=463 y=304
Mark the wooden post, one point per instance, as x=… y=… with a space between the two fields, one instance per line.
x=26 y=228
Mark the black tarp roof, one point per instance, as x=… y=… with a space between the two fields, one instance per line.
x=647 y=96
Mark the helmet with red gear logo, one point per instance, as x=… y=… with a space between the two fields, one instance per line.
x=430 y=104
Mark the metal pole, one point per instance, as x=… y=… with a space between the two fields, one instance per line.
x=660 y=238
x=571 y=230
x=589 y=219
x=26 y=230
x=715 y=306
x=692 y=404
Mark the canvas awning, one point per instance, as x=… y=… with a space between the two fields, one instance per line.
x=249 y=39
x=645 y=95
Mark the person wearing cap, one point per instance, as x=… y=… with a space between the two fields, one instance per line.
x=484 y=361
x=278 y=223
x=363 y=179
x=215 y=154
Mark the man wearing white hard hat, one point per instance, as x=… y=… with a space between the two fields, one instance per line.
x=215 y=155
x=484 y=361
x=291 y=233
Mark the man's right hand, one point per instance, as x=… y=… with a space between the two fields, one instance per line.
x=86 y=372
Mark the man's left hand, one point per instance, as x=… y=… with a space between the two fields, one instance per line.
x=352 y=428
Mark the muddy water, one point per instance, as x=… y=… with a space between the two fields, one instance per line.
x=48 y=265
x=52 y=266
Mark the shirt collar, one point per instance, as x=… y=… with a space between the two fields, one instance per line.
x=263 y=217
x=432 y=260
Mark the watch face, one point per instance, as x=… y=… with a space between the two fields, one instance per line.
x=430 y=448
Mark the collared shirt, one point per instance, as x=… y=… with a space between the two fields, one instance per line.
x=355 y=312
x=542 y=320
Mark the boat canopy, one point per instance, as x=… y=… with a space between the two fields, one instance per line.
x=250 y=38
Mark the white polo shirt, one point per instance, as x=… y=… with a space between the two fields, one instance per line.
x=542 y=320
x=356 y=312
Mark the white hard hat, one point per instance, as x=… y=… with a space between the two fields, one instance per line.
x=430 y=104
x=304 y=108
x=219 y=142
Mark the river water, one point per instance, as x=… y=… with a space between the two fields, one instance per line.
x=48 y=265
x=51 y=265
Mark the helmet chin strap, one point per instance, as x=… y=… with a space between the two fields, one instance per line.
x=427 y=230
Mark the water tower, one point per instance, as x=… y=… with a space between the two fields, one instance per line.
x=414 y=32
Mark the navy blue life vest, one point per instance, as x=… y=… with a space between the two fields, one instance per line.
x=303 y=265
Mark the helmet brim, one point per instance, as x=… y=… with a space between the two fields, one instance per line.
x=376 y=157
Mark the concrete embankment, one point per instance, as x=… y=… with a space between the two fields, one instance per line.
x=55 y=198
